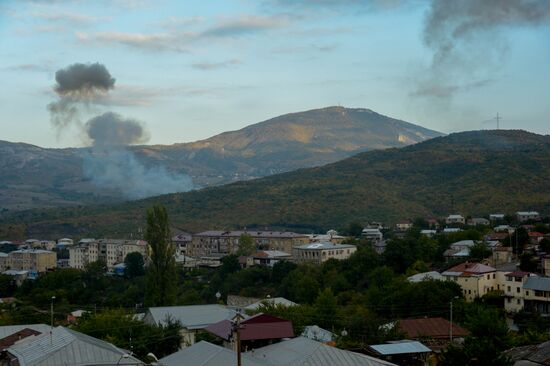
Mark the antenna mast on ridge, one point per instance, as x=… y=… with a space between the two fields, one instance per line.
x=498 y=118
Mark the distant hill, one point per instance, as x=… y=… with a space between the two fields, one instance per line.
x=37 y=177
x=476 y=173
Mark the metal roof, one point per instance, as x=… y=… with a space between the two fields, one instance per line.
x=67 y=347
x=207 y=354
x=302 y=351
x=259 y=326
x=537 y=283
x=324 y=245
x=430 y=328
x=425 y=276
x=192 y=316
x=400 y=348
x=11 y=329
x=276 y=301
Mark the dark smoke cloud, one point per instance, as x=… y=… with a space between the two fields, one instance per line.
x=82 y=80
x=468 y=39
x=77 y=86
x=111 y=129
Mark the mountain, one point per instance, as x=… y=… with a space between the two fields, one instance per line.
x=37 y=177
x=473 y=173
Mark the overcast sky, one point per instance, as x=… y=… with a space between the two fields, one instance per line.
x=192 y=69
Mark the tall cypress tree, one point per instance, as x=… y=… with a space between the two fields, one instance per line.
x=161 y=274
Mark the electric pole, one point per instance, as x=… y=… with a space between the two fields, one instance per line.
x=237 y=329
x=498 y=118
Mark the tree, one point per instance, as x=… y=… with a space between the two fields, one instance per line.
x=7 y=285
x=354 y=229
x=134 y=265
x=517 y=240
x=479 y=251
x=246 y=245
x=544 y=245
x=161 y=274
x=325 y=309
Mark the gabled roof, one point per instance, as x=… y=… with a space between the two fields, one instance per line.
x=301 y=351
x=207 y=354
x=399 y=348
x=426 y=276
x=16 y=337
x=11 y=329
x=67 y=347
x=430 y=327
x=468 y=268
x=259 y=326
x=192 y=316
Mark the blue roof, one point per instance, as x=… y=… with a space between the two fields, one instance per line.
x=400 y=348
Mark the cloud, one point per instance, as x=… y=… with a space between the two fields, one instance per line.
x=438 y=90
x=215 y=65
x=72 y=18
x=111 y=129
x=176 y=40
x=31 y=67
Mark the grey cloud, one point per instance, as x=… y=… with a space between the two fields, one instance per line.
x=111 y=129
x=245 y=25
x=81 y=80
x=444 y=91
x=215 y=65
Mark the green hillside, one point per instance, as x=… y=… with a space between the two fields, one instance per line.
x=471 y=172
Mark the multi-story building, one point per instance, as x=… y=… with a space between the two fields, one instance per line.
x=475 y=279
x=4 y=262
x=523 y=216
x=455 y=219
x=111 y=251
x=321 y=252
x=227 y=242
x=537 y=295
x=373 y=235
x=34 y=260
x=514 y=291
x=403 y=225
x=182 y=241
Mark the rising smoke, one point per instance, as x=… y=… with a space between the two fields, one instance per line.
x=468 y=40
x=109 y=164
x=78 y=86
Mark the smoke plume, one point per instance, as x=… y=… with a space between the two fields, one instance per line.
x=111 y=129
x=109 y=164
x=468 y=40
x=77 y=86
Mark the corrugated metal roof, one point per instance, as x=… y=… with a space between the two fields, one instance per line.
x=207 y=354
x=430 y=327
x=325 y=245
x=301 y=351
x=67 y=347
x=11 y=329
x=192 y=316
x=537 y=283
x=259 y=326
x=400 y=348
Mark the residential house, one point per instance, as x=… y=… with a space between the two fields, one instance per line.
x=331 y=235
x=373 y=235
x=478 y=221
x=60 y=346
x=426 y=276
x=18 y=276
x=4 y=261
x=502 y=255
x=535 y=237
x=537 y=295
x=455 y=220
x=404 y=352
x=531 y=355
x=304 y=351
x=433 y=332
x=193 y=318
x=403 y=225
x=428 y=233
x=450 y=230
x=546 y=265
x=270 y=257
x=514 y=293
x=496 y=217
x=523 y=216
x=207 y=354
x=275 y=301
x=32 y=260
x=460 y=249
x=214 y=242
x=257 y=331
x=475 y=279
x=321 y=252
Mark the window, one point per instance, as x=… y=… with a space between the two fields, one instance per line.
x=526 y=293
x=509 y=288
x=488 y=276
x=469 y=292
x=518 y=290
x=509 y=300
x=494 y=276
x=519 y=301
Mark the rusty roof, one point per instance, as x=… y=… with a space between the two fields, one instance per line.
x=430 y=328
x=259 y=326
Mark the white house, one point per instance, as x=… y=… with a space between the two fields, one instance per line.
x=523 y=216
x=455 y=219
x=373 y=235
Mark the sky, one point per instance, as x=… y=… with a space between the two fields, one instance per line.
x=187 y=70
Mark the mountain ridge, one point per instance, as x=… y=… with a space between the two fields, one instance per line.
x=478 y=172
x=55 y=177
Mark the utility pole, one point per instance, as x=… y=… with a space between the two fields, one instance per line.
x=451 y=327
x=51 y=317
x=237 y=329
x=498 y=118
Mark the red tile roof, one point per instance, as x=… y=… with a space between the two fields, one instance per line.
x=259 y=326
x=431 y=328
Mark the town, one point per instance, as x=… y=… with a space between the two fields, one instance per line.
x=499 y=264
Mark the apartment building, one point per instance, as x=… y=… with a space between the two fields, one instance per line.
x=4 y=262
x=537 y=294
x=455 y=219
x=34 y=260
x=523 y=216
x=217 y=242
x=475 y=279
x=321 y=252
x=111 y=251
x=514 y=291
